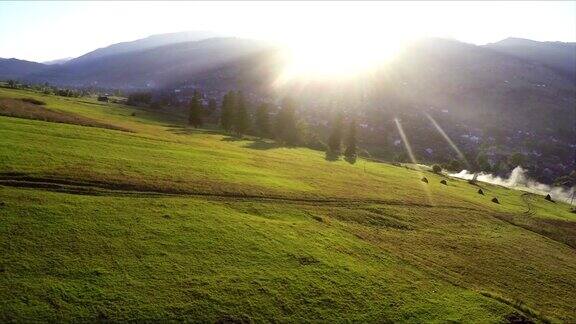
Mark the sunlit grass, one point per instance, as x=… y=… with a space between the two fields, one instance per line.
x=357 y=241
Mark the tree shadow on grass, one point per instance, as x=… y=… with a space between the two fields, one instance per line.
x=188 y=130
x=232 y=139
x=212 y=132
x=262 y=145
x=254 y=143
x=185 y=130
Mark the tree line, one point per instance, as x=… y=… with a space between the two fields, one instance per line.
x=285 y=126
x=47 y=89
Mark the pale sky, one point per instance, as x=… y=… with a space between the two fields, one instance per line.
x=40 y=31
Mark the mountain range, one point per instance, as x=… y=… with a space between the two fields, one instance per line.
x=160 y=59
x=19 y=69
x=558 y=56
x=164 y=53
x=145 y=68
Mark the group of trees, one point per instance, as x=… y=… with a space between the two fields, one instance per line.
x=139 y=98
x=340 y=134
x=13 y=84
x=47 y=89
x=68 y=93
x=236 y=118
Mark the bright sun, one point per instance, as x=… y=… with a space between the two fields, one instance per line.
x=331 y=57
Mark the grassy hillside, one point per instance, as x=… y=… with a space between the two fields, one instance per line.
x=135 y=217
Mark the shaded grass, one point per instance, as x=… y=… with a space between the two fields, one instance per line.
x=519 y=305
x=31 y=109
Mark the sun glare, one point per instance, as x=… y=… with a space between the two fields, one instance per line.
x=336 y=56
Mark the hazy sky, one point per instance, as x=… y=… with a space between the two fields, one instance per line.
x=40 y=31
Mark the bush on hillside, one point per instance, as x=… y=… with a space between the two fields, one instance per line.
x=436 y=168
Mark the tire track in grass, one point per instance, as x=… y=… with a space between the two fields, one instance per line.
x=535 y=228
x=96 y=188
x=529 y=208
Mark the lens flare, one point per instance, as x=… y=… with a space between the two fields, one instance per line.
x=450 y=142
x=413 y=159
x=406 y=144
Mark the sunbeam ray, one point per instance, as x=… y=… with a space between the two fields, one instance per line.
x=413 y=159
x=450 y=142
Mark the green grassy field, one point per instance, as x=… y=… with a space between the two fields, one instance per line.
x=155 y=221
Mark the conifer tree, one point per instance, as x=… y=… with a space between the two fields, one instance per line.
x=263 y=121
x=212 y=106
x=335 y=138
x=195 y=116
x=227 y=114
x=286 y=123
x=351 y=152
x=241 y=118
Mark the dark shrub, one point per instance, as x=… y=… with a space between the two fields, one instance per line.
x=436 y=168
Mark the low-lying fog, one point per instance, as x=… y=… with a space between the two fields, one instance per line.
x=518 y=179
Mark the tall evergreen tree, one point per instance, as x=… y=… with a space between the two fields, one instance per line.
x=227 y=114
x=286 y=123
x=351 y=152
x=212 y=106
x=241 y=118
x=195 y=116
x=263 y=121
x=335 y=138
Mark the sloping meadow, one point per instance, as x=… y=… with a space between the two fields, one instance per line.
x=160 y=223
